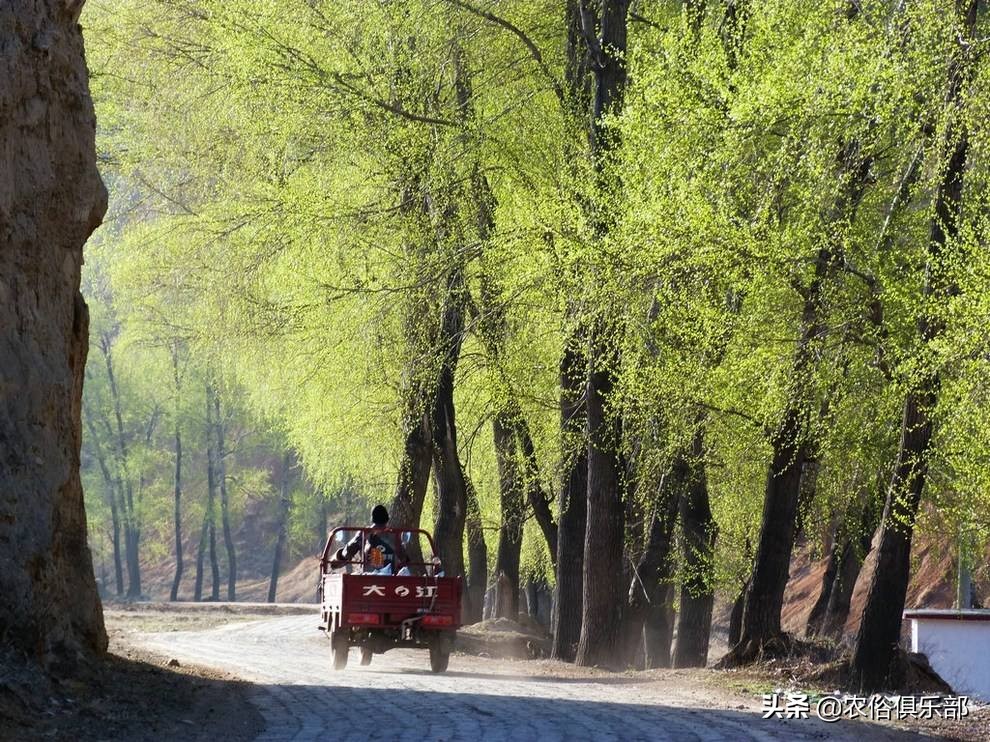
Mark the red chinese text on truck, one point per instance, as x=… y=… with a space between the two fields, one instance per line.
x=366 y=606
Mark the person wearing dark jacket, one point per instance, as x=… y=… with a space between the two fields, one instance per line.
x=383 y=553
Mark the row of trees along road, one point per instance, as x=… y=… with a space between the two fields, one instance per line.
x=653 y=290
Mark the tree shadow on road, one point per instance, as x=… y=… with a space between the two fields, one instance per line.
x=367 y=711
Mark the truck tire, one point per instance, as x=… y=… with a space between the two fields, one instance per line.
x=339 y=647
x=439 y=655
x=366 y=655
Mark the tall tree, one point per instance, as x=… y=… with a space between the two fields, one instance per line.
x=880 y=626
x=603 y=543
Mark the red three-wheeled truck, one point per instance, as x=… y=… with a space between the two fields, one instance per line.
x=376 y=606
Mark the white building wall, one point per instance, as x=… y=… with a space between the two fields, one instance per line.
x=958 y=650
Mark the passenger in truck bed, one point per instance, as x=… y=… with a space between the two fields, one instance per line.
x=383 y=552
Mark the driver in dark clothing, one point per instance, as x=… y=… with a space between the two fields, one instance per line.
x=383 y=553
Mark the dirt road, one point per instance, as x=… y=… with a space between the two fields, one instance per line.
x=397 y=698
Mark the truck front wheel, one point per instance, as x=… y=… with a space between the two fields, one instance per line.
x=339 y=647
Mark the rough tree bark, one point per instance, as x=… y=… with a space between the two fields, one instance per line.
x=879 y=631
x=698 y=532
x=601 y=615
x=51 y=200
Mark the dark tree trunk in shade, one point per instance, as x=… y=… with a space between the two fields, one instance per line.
x=283 y=529
x=414 y=469
x=132 y=541
x=129 y=519
x=735 y=617
x=566 y=615
x=447 y=469
x=698 y=532
x=228 y=539
x=510 y=531
x=112 y=496
x=477 y=581
x=534 y=605
x=118 y=567
x=854 y=552
x=601 y=610
x=650 y=590
x=880 y=627
x=761 y=612
x=177 y=479
x=177 y=515
x=816 y=617
x=201 y=558
x=535 y=494
x=208 y=536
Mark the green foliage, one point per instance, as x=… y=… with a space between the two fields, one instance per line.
x=298 y=181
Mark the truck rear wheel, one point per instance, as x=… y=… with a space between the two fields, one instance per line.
x=366 y=655
x=439 y=655
x=339 y=647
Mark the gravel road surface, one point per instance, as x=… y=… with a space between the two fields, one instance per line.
x=397 y=697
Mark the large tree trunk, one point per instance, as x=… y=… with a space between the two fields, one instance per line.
x=698 y=542
x=601 y=616
x=451 y=484
x=477 y=582
x=651 y=590
x=566 y=616
x=132 y=544
x=413 y=479
x=566 y=608
x=228 y=540
x=511 y=529
x=761 y=613
x=51 y=200
x=283 y=530
x=880 y=627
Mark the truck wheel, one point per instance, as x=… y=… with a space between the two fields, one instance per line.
x=339 y=647
x=439 y=655
x=366 y=655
